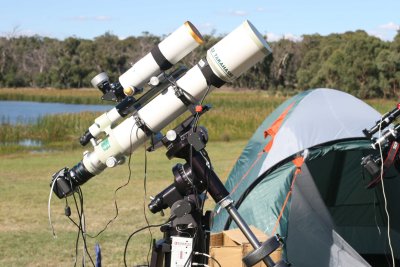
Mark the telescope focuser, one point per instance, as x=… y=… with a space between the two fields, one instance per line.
x=112 y=91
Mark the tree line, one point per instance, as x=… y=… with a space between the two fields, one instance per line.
x=354 y=62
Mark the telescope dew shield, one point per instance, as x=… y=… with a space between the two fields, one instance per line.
x=237 y=52
x=168 y=52
x=181 y=42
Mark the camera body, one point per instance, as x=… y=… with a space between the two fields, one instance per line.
x=372 y=164
x=387 y=142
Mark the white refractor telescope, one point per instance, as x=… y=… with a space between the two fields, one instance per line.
x=225 y=61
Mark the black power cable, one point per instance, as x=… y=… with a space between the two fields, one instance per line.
x=81 y=211
x=139 y=230
x=120 y=187
x=194 y=128
x=81 y=225
x=208 y=256
x=144 y=203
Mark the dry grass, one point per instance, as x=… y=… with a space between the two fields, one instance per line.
x=72 y=96
x=25 y=236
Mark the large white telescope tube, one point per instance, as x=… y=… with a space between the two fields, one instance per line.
x=229 y=58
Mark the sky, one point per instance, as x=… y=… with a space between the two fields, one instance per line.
x=275 y=19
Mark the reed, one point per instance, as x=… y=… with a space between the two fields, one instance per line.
x=69 y=96
x=235 y=115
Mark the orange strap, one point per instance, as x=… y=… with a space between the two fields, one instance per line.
x=247 y=173
x=297 y=162
x=273 y=130
x=244 y=176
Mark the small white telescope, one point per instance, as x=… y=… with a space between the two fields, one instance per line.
x=161 y=58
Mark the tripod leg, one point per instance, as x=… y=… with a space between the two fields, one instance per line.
x=157 y=254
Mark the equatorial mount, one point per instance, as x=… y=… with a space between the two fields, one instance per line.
x=191 y=182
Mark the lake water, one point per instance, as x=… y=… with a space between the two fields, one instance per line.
x=28 y=112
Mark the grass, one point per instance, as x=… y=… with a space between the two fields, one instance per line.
x=236 y=115
x=25 y=235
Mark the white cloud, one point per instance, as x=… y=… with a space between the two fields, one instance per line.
x=238 y=13
x=386 y=31
x=102 y=18
x=378 y=34
x=207 y=27
x=79 y=18
x=273 y=37
x=17 y=31
x=91 y=18
x=292 y=37
x=390 y=26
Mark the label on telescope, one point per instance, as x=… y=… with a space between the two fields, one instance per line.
x=105 y=145
x=220 y=63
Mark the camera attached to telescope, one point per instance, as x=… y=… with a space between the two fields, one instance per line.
x=388 y=142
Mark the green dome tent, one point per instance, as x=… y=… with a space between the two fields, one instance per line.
x=300 y=176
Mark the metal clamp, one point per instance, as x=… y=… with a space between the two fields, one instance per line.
x=225 y=202
x=141 y=125
x=179 y=92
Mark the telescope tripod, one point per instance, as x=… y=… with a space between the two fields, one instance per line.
x=185 y=197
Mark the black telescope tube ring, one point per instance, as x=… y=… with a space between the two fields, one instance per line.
x=211 y=78
x=160 y=59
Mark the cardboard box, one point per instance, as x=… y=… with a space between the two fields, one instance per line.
x=229 y=247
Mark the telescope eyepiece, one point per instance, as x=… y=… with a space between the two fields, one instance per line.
x=101 y=82
x=111 y=91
